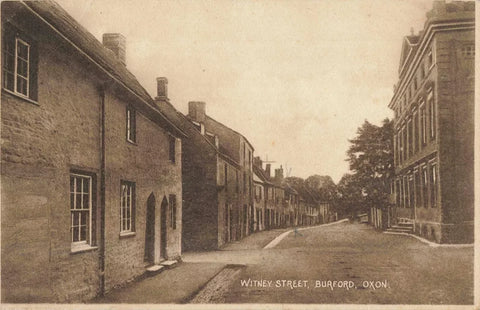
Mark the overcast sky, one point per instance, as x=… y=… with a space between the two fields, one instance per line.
x=297 y=78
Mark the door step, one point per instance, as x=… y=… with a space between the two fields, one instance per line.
x=403 y=228
x=169 y=263
x=154 y=270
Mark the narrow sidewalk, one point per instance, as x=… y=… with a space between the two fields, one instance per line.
x=175 y=285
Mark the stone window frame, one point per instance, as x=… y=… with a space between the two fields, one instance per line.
x=433 y=182
x=432 y=120
x=172 y=202
x=127 y=207
x=425 y=185
x=423 y=123
x=80 y=243
x=131 y=124
x=430 y=58
x=10 y=41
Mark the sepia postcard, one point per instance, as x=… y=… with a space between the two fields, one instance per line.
x=251 y=154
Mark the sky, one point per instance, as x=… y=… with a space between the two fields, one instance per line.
x=296 y=78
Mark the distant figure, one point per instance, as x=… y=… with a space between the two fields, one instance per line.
x=295 y=230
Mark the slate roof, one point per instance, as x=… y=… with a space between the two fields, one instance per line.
x=77 y=35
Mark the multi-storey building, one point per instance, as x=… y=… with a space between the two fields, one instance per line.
x=91 y=174
x=261 y=185
x=433 y=104
x=218 y=190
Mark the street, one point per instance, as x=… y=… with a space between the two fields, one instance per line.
x=343 y=263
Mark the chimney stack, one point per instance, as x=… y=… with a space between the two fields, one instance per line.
x=162 y=89
x=196 y=111
x=257 y=161
x=117 y=44
x=267 y=170
x=279 y=174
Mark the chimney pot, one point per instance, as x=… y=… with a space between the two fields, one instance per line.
x=117 y=44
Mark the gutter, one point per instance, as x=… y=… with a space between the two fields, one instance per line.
x=178 y=130
x=102 y=194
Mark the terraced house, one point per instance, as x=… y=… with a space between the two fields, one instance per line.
x=434 y=126
x=91 y=168
x=218 y=182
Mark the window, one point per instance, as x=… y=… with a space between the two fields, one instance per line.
x=172 y=199
x=433 y=118
x=418 y=188
x=398 y=193
x=411 y=197
x=237 y=185
x=416 y=140
x=423 y=124
x=131 y=125
x=410 y=137
x=433 y=185
x=225 y=176
x=424 y=187
x=468 y=50
x=19 y=64
x=244 y=183
x=81 y=210
x=127 y=207
x=171 y=144
x=430 y=59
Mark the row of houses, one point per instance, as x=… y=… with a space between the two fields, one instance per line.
x=433 y=101
x=100 y=181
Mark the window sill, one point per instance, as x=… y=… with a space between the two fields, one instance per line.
x=82 y=248
x=20 y=96
x=132 y=142
x=127 y=234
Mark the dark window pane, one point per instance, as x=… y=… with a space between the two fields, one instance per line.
x=78 y=200
x=22 y=50
x=21 y=85
x=8 y=80
x=83 y=233
x=22 y=68
x=86 y=201
x=72 y=200
x=79 y=185
x=86 y=185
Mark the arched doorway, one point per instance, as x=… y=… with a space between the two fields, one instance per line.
x=163 y=228
x=150 y=230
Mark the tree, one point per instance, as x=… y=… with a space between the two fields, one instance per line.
x=371 y=160
x=322 y=186
x=349 y=198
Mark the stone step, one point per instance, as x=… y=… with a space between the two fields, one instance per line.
x=405 y=224
x=402 y=230
x=401 y=227
x=154 y=269
x=169 y=263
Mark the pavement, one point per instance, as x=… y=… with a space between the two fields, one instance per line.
x=177 y=285
x=333 y=264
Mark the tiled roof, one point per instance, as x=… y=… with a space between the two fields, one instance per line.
x=81 y=38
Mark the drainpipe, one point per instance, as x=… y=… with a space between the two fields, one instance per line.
x=102 y=194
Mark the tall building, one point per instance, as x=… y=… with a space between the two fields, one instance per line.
x=91 y=173
x=217 y=165
x=433 y=103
